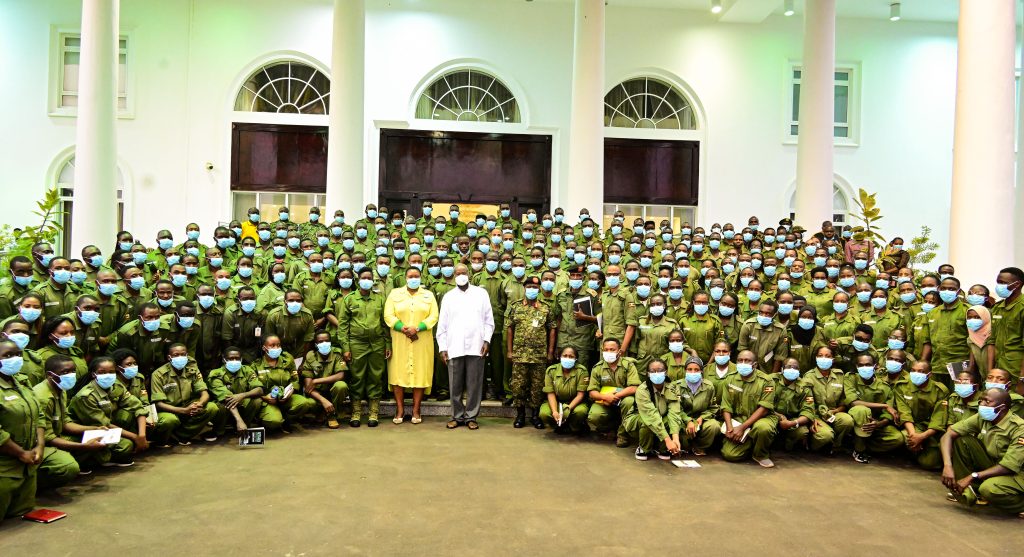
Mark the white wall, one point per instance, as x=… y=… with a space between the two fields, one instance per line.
x=189 y=55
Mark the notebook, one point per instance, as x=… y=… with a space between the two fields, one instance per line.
x=44 y=516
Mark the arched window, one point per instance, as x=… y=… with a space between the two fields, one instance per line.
x=285 y=87
x=66 y=186
x=468 y=95
x=840 y=206
x=648 y=103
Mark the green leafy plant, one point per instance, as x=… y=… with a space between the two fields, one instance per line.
x=18 y=241
x=922 y=248
x=869 y=215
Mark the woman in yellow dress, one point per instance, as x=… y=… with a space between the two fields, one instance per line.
x=411 y=314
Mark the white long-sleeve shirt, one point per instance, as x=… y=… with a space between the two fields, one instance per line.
x=465 y=322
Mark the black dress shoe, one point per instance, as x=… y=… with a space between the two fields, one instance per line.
x=520 y=418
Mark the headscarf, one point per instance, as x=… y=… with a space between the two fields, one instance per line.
x=802 y=336
x=693 y=360
x=981 y=335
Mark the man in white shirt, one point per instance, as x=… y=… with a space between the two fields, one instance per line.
x=464 y=329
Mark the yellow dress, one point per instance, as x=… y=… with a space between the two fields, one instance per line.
x=412 y=362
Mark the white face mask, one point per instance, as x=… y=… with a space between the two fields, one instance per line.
x=461 y=280
x=610 y=357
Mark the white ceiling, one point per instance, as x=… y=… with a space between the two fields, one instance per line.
x=756 y=10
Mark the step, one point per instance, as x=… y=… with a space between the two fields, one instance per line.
x=488 y=408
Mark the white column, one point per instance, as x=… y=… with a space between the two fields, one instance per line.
x=345 y=129
x=586 y=123
x=814 y=173
x=1018 y=212
x=94 y=217
x=983 y=158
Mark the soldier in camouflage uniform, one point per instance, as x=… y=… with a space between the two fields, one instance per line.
x=530 y=334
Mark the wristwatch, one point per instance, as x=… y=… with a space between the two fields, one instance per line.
x=975 y=477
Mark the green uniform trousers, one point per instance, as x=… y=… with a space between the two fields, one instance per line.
x=366 y=370
x=274 y=416
x=185 y=427
x=603 y=418
x=248 y=409
x=439 y=385
x=528 y=384
x=639 y=433
x=930 y=456
x=576 y=420
x=840 y=427
x=882 y=440
x=336 y=392
x=793 y=438
x=1005 y=493
x=498 y=372
x=57 y=468
x=87 y=460
x=758 y=443
x=825 y=437
x=705 y=437
x=17 y=495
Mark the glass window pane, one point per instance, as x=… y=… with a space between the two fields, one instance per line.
x=69 y=100
x=841 y=131
x=793 y=130
x=72 y=41
x=299 y=205
x=71 y=61
x=796 y=74
x=241 y=202
x=122 y=45
x=796 y=102
x=284 y=87
x=269 y=203
x=842 y=104
x=842 y=76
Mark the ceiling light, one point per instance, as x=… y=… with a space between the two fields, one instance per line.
x=894 y=11
x=789 y=8
x=716 y=6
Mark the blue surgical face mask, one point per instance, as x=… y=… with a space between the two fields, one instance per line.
x=223 y=283
x=106 y=380
x=974 y=324
x=840 y=307
x=791 y=374
x=745 y=281
x=186 y=322
x=988 y=413
x=127 y=246
x=233 y=366
x=975 y=299
x=700 y=309
x=769 y=270
x=206 y=301
x=11 y=366
x=1003 y=290
x=279 y=278
x=763 y=320
x=947 y=296
x=865 y=372
x=575 y=284
x=191 y=235
x=643 y=290
x=88 y=317
x=323 y=347
x=613 y=281
x=66 y=382
x=805 y=323
x=413 y=283
x=991 y=385
x=893 y=366
x=130 y=372
x=878 y=303
x=164 y=303
x=657 y=311
x=716 y=292
x=860 y=345
x=568 y=363
x=247 y=305
x=863 y=296
x=823 y=363
x=783 y=285
x=745 y=369
x=531 y=293
x=65 y=342
x=785 y=309
x=151 y=325
x=896 y=344
x=274 y=353
x=179 y=362
x=178 y=280
x=847 y=282
x=908 y=297
x=694 y=377
x=61 y=276
x=657 y=378
x=754 y=295
x=293 y=307
x=23 y=281
x=264 y=235
x=963 y=390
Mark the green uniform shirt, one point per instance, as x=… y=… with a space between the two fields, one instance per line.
x=883 y=325
x=270 y=297
x=223 y=383
x=711 y=374
x=828 y=391
x=743 y=396
x=280 y=375
x=1008 y=335
x=952 y=410
x=177 y=388
x=841 y=329
x=946 y=331
x=317 y=366
x=917 y=404
x=1003 y=441
x=702 y=404
x=294 y=330
x=56 y=301
x=651 y=338
x=804 y=353
x=793 y=400
x=876 y=392
x=244 y=331
x=494 y=285
x=314 y=292
x=530 y=324
x=579 y=334
x=767 y=343
x=94 y=406
x=20 y=416
x=565 y=385
x=701 y=332
x=659 y=411
x=615 y=306
x=822 y=301
x=10 y=296
x=54 y=407
x=361 y=319
x=624 y=375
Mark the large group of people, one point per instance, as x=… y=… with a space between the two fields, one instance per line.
x=675 y=339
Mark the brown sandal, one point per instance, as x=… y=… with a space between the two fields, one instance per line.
x=452 y=424
x=471 y=424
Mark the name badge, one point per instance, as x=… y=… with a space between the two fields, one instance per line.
x=170 y=386
x=797 y=346
x=753 y=337
x=908 y=397
x=104 y=403
x=735 y=388
x=263 y=372
x=10 y=398
x=837 y=384
x=997 y=317
x=48 y=304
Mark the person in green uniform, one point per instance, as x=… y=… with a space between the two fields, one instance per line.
x=652 y=333
x=323 y=374
x=720 y=367
x=747 y=413
x=916 y=402
x=365 y=344
x=794 y=409
x=765 y=337
x=699 y=404
x=57 y=294
x=986 y=453
x=271 y=295
x=17 y=331
x=292 y=323
x=870 y=402
x=565 y=384
x=243 y=324
x=961 y=404
x=656 y=418
x=577 y=328
x=805 y=336
x=127 y=366
x=944 y=337
x=147 y=336
x=22 y=436
x=63 y=455
x=57 y=337
x=1008 y=325
x=99 y=402
x=1001 y=379
x=827 y=384
x=530 y=344
x=283 y=403
x=701 y=329
x=613 y=382
x=493 y=280
x=882 y=319
x=617 y=302
x=182 y=400
x=19 y=284
x=237 y=391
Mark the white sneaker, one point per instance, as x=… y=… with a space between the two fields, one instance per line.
x=640 y=454
x=118 y=464
x=766 y=463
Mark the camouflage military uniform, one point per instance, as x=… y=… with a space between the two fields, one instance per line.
x=530 y=324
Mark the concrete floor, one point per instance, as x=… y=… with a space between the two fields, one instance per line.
x=423 y=490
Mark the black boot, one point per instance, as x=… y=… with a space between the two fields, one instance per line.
x=520 y=417
x=536 y=419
